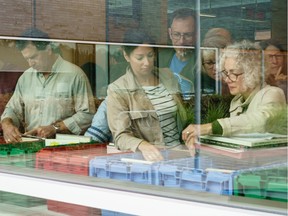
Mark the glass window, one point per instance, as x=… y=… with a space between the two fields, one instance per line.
x=179 y=102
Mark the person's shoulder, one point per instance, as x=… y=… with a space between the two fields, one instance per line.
x=166 y=51
x=69 y=66
x=121 y=82
x=270 y=88
x=272 y=92
x=27 y=74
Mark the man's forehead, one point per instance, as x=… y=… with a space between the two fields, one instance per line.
x=275 y=51
x=29 y=50
x=186 y=24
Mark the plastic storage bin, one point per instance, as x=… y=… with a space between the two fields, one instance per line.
x=265 y=183
x=201 y=173
x=72 y=159
x=189 y=173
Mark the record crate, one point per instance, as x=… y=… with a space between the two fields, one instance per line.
x=193 y=173
x=19 y=154
x=22 y=155
x=21 y=147
x=72 y=159
x=268 y=182
x=201 y=173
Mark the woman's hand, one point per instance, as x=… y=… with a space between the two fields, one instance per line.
x=150 y=152
x=196 y=130
x=191 y=143
x=189 y=131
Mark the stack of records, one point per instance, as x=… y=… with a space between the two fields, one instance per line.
x=244 y=142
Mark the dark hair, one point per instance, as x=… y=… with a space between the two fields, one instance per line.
x=136 y=36
x=181 y=14
x=272 y=42
x=33 y=33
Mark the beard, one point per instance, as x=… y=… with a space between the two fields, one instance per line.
x=183 y=53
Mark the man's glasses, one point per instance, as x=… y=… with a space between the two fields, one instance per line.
x=178 y=35
x=231 y=76
x=271 y=57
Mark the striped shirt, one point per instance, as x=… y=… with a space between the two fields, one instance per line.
x=166 y=109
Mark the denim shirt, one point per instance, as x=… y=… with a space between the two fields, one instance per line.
x=99 y=129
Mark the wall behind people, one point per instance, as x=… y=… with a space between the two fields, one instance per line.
x=84 y=19
x=279 y=21
x=73 y=19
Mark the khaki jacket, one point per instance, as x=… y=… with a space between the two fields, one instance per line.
x=251 y=115
x=131 y=116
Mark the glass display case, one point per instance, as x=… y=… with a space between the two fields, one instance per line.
x=80 y=175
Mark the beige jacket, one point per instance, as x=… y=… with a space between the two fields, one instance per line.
x=131 y=116
x=251 y=115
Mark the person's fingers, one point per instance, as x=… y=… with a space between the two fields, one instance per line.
x=185 y=134
x=31 y=132
x=154 y=155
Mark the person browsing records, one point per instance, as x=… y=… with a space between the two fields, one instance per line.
x=52 y=96
x=144 y=106
x=254 y=103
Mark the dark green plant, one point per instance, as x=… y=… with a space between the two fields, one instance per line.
x=278 y=123
x=216 y=111
x=212 y=107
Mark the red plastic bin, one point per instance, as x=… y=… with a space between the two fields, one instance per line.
x=72 y=159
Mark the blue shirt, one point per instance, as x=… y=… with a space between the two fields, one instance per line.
x=176 y=66
x=99 y=129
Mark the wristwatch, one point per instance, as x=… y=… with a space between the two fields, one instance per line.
x=56 y=127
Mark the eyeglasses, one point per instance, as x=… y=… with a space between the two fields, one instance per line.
x=232 y=77
x=178 y=35
x=275 y=56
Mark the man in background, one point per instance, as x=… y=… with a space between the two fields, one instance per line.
x=181 y=60
x=52 y=96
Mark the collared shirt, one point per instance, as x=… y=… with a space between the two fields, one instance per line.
x=65 y=95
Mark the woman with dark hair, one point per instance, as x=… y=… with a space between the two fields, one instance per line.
x=144 y=105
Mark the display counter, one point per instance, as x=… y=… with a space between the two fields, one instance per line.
x=22 y=174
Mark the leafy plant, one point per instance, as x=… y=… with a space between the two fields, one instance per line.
x=212 y=107
x=278 y=124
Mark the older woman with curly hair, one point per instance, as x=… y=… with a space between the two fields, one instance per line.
x=254 y=103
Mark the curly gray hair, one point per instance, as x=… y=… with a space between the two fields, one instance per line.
x=248 y=60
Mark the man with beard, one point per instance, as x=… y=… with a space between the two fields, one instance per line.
x=180 y=60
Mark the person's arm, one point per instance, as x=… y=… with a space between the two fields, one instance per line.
x=194 y=130
x=120 y=124
x=49 y=131
x=99 y=129
x=84 y=107
x=12 y=117
x=14 y=108
x=265 y=105
x=119 y=119
x=10 y=131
